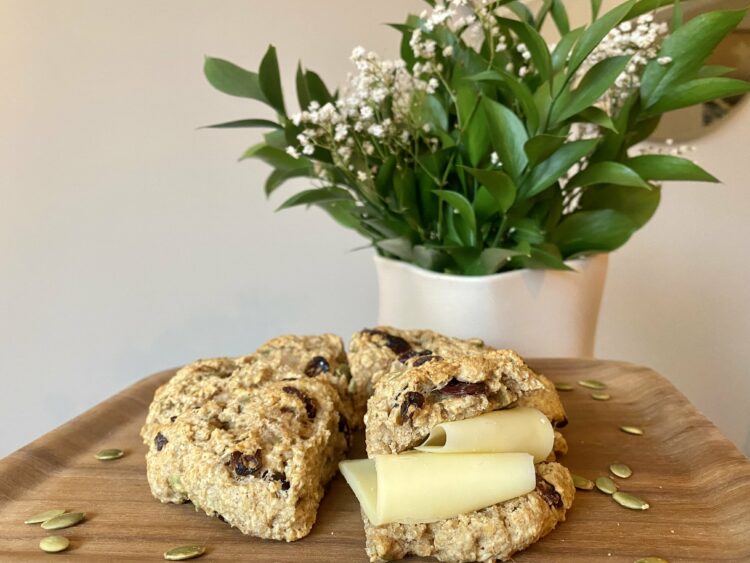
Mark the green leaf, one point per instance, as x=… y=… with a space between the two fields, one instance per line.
x=709 y=71
x=594 y=34
x=544 y=257
x=399 y=247
x=492 y=259
x=638 y=205
x=274 y=156
x=316 y=196
x=534 y=42
x=592 y=87
x=522 y=11
x=676 y=16
x=596 y=5
x=475 y=134
x=460 y=204
x=303 y=91
x=405 y=187
x=317 y=88
x=278 y=177
x=508 y=136
x=270 y=80
x=560 y=17
x=699 y=91
x=499 y=184
x=345 y=214
x=433 y=113
x=589 y=231
x=596 y=116
x=643 y=6
x=233 y=80
x=541 y=147
x=608 y=173
x=563 y=47
x=384 y=177
x=243 y=123
x=552 y=169
x=688 y=47
x=664 y=167
x=517 y=89
x=429 y=258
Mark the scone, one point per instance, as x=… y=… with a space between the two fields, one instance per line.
x=253 y=440
x=384 y=351
x=428 y=389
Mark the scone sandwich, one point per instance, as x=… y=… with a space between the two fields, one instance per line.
x=460 y=455
x=253 y=440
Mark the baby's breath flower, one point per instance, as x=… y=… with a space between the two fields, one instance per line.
x=664 y=60
x=293 y=152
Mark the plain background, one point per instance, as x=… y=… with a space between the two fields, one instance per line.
x=130 y=241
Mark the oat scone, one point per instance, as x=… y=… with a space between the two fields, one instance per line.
x=375 y=353
x=253 y=440
x=492 y=534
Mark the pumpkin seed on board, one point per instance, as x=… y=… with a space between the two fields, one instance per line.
x=184 y=552
x=634 y=430
x=44 y=516
x=630 y=501
x=600 y=396
x=606 y=485
x=582 y=483
x=109 y=454
x=54 y=544
x=620 y=470
x=651 y=560
x=64 y=521
x=564 y=386
x=592 y=384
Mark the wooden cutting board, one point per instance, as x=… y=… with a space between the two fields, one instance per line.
x=697 y=482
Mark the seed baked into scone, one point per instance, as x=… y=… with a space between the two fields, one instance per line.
x=253 y=440
x=422 y=390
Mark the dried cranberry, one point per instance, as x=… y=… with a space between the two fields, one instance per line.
x=561 y=423
x=245 y=464
x=160 y=441
x=548 y=493
x=424 y=359
x=344 y=425
x=405 y=357
x=458 y=388
x=172 y=418
x=310 y=407
x=277 y=476
x=411 y=399
x=316 y=366
x=397 y=345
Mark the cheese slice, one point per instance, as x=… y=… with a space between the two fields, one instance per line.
x=521 y=429
x=425 y=487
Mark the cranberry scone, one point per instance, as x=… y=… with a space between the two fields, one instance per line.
x=488 y=393
x=253 y=440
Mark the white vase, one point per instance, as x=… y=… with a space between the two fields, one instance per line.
x=538 y=313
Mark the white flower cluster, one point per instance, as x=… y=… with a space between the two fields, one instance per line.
x=641 y=39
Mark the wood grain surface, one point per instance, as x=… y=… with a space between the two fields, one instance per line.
x=697 y=482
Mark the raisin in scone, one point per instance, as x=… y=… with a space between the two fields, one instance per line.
x=375 y=353
x=408 y=402
x=253 y=440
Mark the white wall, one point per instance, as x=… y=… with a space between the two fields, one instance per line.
x=130 y=242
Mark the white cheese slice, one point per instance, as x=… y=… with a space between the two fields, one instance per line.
x=424 y=487
x=521 y=429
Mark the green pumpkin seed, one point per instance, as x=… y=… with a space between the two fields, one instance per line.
x=620 y=470
x=632 y=430
x=606 y=485
x=175 y=481
x=44 y=516
x=564 y=387
x=110 y=454
x=582 y=483
x=592 y=384
x=64 y=521
x=600 y=396
x=184 y=552
x=54 y=544
x=651 y=560
x=630 y=501
x=475 y=341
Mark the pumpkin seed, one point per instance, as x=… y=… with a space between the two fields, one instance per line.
x=64 y=521
x=175 y=481
x=184 y=552
x=592 y=384
x=582 y=483
x=606 y=485
x=564 y=386
x=54 y=544
x=620 y=470
x=600 y=396
x=44 y=516
x=475 y=341
x=110 y=454
x=651 y=560
x=630 y=501
x=632 y=430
